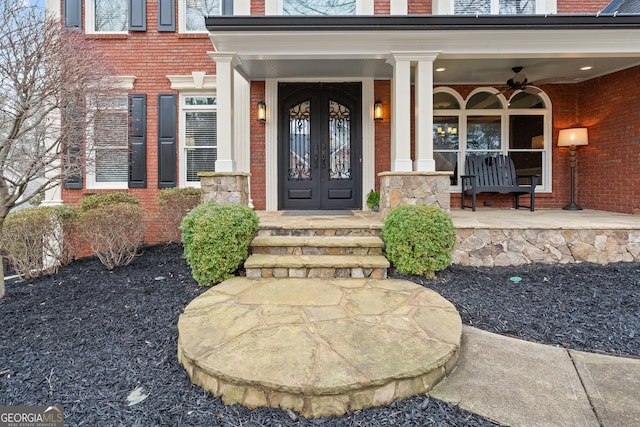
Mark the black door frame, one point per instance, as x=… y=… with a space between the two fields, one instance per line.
x=292 y=93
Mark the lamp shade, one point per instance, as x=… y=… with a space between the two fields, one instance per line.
x=574 y=136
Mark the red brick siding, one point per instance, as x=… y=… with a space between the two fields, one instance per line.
x=420 y=7
x=257 y=7
x=382 y=91
x=258 y=149
x=381 y=7
x=607 y=169
x=576 y=7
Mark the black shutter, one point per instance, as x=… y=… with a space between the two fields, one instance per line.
x=137 y=15
x=227 y=7
x=73 y=182
x=137 y=141
x=166 y=15
x=72 y=11
x=167 y=140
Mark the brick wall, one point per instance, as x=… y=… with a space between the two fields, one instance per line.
x=382 y=92
x=381 y=7
x=607 y=172
x=258 y=149
x=419 y=7
x=577 y=7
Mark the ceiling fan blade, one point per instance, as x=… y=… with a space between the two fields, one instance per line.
x=531 y=90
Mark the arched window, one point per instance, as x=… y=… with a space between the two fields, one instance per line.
x=488 y=123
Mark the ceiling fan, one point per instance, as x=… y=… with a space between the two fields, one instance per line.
x=519 y=81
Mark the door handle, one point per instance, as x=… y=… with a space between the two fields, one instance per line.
x=324 y=155
x=315 y=156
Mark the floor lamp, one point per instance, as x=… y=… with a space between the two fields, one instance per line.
x=572 y=138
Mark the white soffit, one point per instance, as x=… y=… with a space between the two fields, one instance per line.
x=487 y=54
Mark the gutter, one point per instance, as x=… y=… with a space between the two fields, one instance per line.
x=421 y=22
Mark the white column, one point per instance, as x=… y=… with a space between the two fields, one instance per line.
x=401 y=113
x=424 y=114
x=225 y=94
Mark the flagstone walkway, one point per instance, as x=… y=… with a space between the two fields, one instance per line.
x=318 y=346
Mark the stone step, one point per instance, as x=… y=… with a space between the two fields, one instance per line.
x=319 y=229
x=317 y=266
x=317 y=245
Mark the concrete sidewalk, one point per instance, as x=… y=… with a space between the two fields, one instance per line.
x=519 y=383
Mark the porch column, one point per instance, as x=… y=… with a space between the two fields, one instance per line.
x=424 y=113
x=224 y=94
x=401 y=112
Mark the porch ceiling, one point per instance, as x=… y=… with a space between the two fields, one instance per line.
x=472 y=52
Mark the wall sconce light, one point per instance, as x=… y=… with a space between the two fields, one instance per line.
x=377 y=111
x=262 y=112
x=572 y=138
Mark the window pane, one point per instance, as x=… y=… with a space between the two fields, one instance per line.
x=517 y=7
x=472 y=7
x=447 y=162
x=111 y=15
x=483 y=133
x=196 y=10
x=524 y=132
x=339 y=141
x=443 y=100
x=445 y=133
x=201 y=143
x=484 y=100
x=319 y=7
x=528 y=163
x=526 y=100
x=299 y=142
x=111 y=142
x=200 y=100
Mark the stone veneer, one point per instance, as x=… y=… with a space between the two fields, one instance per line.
x=231 y=188
x=414 y=188
x=494 y=247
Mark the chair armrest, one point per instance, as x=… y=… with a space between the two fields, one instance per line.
x=533 y=178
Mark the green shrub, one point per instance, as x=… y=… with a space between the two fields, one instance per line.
x=106 y=199
x=419 y=239
x=173 y=205
x=113 y=231
x=34 y=241
x=216 y=240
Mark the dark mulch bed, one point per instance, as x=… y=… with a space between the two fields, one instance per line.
x=582 y=306
x=86 y=338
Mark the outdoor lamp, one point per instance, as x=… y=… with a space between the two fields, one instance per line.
x=572 y=138
x=262 y=112
x=377 y=111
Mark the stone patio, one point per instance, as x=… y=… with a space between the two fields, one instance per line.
x=320 y=347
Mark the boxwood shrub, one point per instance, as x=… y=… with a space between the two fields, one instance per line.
x=419 y=239
x=216 y=240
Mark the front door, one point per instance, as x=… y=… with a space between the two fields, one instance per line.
x=320 y=146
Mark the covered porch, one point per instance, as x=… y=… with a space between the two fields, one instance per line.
x=403 y=61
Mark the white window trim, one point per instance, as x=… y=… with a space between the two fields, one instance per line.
x=363 y=7
x=90 y=20
x=126 y=84
x=463 y=113
x=445 y=7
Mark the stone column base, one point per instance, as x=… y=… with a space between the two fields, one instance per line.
x=414 y=188
x=231 y=188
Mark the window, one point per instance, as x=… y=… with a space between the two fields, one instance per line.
x=483 y=125
x=198 y=138
x=108 y=16
x=318 y=7
x=108 y=147
x=493 y=7
x=194 y=12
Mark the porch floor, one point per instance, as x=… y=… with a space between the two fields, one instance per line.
x=502 y=219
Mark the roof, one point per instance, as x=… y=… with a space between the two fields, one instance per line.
x=623 y=7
